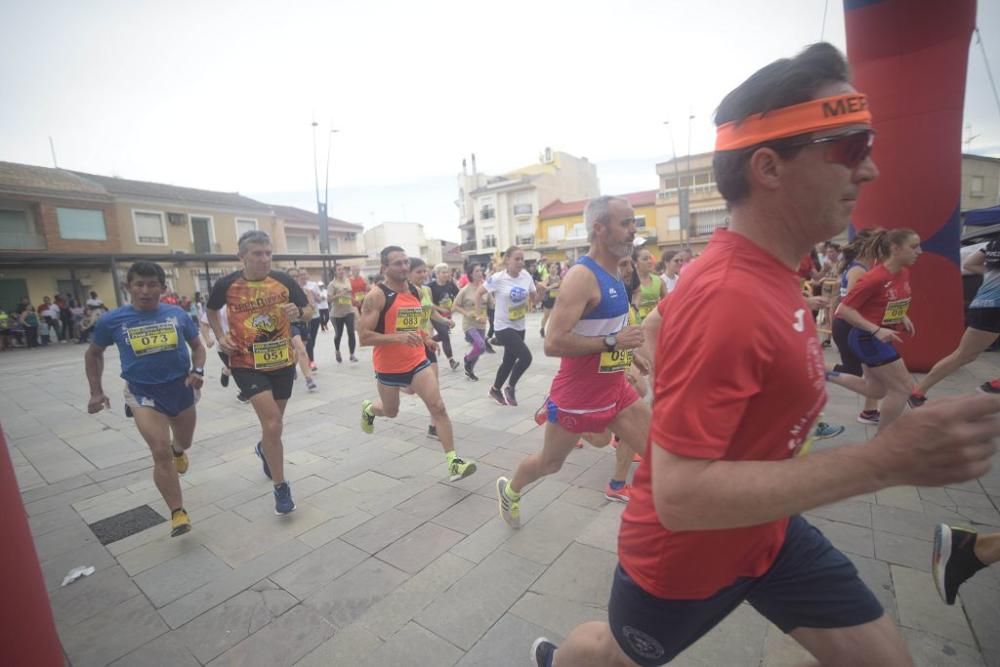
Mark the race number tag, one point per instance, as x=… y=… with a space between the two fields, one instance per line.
x=152 y=338
x=408 y=319
x=553 y=292
x=270 y=354
x=359 y=296
x=616 y=361
x=517 y=312
x=446 y=303
x=895 y=311
x=344 y=300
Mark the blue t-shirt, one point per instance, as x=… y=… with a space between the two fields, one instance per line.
x=152 y=345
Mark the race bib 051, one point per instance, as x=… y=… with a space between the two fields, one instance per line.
x=271 y=354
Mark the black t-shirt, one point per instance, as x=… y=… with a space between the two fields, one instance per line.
x=444 y=295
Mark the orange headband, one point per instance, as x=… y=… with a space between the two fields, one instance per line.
x=812 y=116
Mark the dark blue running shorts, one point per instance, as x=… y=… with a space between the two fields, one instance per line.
x=811 y=585
x=401 y=379
x=170 y=398
x=870 y=350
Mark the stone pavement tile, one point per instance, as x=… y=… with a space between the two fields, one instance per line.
x=334 y=528
x=505 y=459
x=602 y=532
x=875 y=574
x=91 y=595
x=180 y=611
x=179 y=576
x=928 y=650
x=336 y=500
x=900 y=550
x=482 y=482
x=979 y=515
x=921 y=608
x=163 y=548
x=61 y=540
x=484 y=540
x=261 y=506
x=383 y=530
x=310 y=573
x=935 y=495
x=165 y=650
x=415 y=462
x=257 y=537
x=903 y=522
x=555 y=614
x=848 y=511
x=54 y=489
x=391 y=613
x=468 y=514
x=113 y=633
x=432 y=501
x=413 y=646
x=981 y=608
x=27 y=476
x=738 y=640
x=903 y=497
x=470 y=607
x=581 y=574
x=847 y=537
x=282 y=642
x=344 y=648
x=780 y=650
x=346 y=598
x=378 y=503
x=61 y=517
x=418 y=548
x=968 y=499
x=61 y=499
x=549 y=533
x=588 y=498
x=160 y=531
x=55 y=569
x=991 y=658
x=370 y=482
x=216 y=489
x=150 y=496
x=219 y=629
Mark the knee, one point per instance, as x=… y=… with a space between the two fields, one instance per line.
x=526 y=357
x=437 y=409
x=272 y=425
x=161 y=453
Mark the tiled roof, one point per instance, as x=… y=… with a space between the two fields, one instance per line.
x=124 y=187
x=29 y=178
x=560 y=209
x=295 y=214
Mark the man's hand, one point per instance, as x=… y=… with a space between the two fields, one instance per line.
x=888 y=336
x=97 y=403
x=947 y=441
x=817 y=302
x=227 y=345
x=291 y=311
x=431 y=345
x=640 y=363
x=411 y=338
x=908 y=325
x=194 y=380
x=629 y=338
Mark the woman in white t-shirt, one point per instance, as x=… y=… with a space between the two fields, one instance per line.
x=672 y=262
x=515 y=293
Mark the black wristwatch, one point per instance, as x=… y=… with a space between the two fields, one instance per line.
x=198 y=371
x=610 y=342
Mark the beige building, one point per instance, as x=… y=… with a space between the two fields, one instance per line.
x=298 y=231
x=980 y=182
x=496 y=212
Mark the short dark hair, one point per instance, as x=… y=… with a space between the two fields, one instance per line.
x=781 y=84
x=146 y=270
x=386 y=251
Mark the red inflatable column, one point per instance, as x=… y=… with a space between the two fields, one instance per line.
x=27 y=632
x=910 y=59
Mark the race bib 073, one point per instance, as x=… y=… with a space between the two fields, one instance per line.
x=152 y=338
x=271 y=354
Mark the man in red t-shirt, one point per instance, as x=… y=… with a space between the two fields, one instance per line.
x=714 y=515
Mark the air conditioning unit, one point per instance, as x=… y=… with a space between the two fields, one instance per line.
x=177 y=219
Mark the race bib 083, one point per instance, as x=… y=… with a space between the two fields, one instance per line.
x=152 y=338
x=408 y=319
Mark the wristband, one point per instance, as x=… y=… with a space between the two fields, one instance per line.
x=877 y=329
x=198 y=371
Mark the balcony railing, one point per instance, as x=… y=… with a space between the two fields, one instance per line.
x=22 y=241
x=526 y=240
x=468 y=245
x=523 y=209
x=700 y=190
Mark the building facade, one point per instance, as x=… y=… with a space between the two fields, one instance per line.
x=980 y=182
x=562 y=234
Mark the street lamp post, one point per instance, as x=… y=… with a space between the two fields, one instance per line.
x=683 y=215
x=321 y=204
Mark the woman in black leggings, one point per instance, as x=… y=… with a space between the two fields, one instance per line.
x=514 y=291
x=339 y=295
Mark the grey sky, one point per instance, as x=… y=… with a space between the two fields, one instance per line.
x=221 y=94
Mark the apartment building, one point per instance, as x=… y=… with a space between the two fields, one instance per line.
x=562 y=234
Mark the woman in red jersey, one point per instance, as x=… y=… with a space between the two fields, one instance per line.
x=876 y=308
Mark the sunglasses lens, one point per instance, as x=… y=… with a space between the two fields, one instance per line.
x=852 y=149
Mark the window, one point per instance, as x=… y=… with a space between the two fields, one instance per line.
x=17 y=229
x=522 y=209
x=244 y=225
x=674 y=223
x=298 y=244
x=976 y=187
x=706 y=222
x=525 y=228
x=149 y=228
x=85 y=224
x=640 y=222
x=579 y=231
x=557 y=233
x=489 y=242
x=487 y=212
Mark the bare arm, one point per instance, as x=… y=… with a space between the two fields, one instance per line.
x=976 y=263
x=578 y=290
x=855 y=319
x=370 y=309
x=651 y=334
x=923 y=448
x=94 y=364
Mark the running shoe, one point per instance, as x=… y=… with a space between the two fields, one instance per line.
x=354 y=359
x=469 y=372
x=312 y=365
x=460 y=469
x=224 y=379
x=180 y=522
x=489 y=349
x=618 y=495
x=954 y=559
x=991 y=387
x=181 y=462
x=579 y=444
x=497 y=396
x=916 y=399
x=824 y=431
x=869 y=417
x=832 y=374
x=510 y=510
x=508 y=394
x=494 y=341
x=367 y=417
x=542 y=413
x=242 y=399
x=128 y=412
x=543 y=652
x=283 y=503
x=541 y=332
x=453 y=363
x=432 y=431
x=339 y=358
x=263 y=461
x=311 y=384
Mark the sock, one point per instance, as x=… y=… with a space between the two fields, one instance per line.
x=173 y=512
x=451 y=456
x=616 y=484
x=177 y=453
x=511 y=493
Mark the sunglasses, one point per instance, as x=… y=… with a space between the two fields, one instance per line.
x=849 y=149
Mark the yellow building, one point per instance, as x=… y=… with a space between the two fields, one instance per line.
x=562 y=235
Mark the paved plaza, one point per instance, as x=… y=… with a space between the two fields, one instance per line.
x=387 y=563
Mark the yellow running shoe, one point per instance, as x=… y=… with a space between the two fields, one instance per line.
x=180 y=522
x=181 y=462
x=510 y=510
x=459 y=469
x=367 y=417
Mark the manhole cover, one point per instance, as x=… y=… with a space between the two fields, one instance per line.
x=127 y=523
